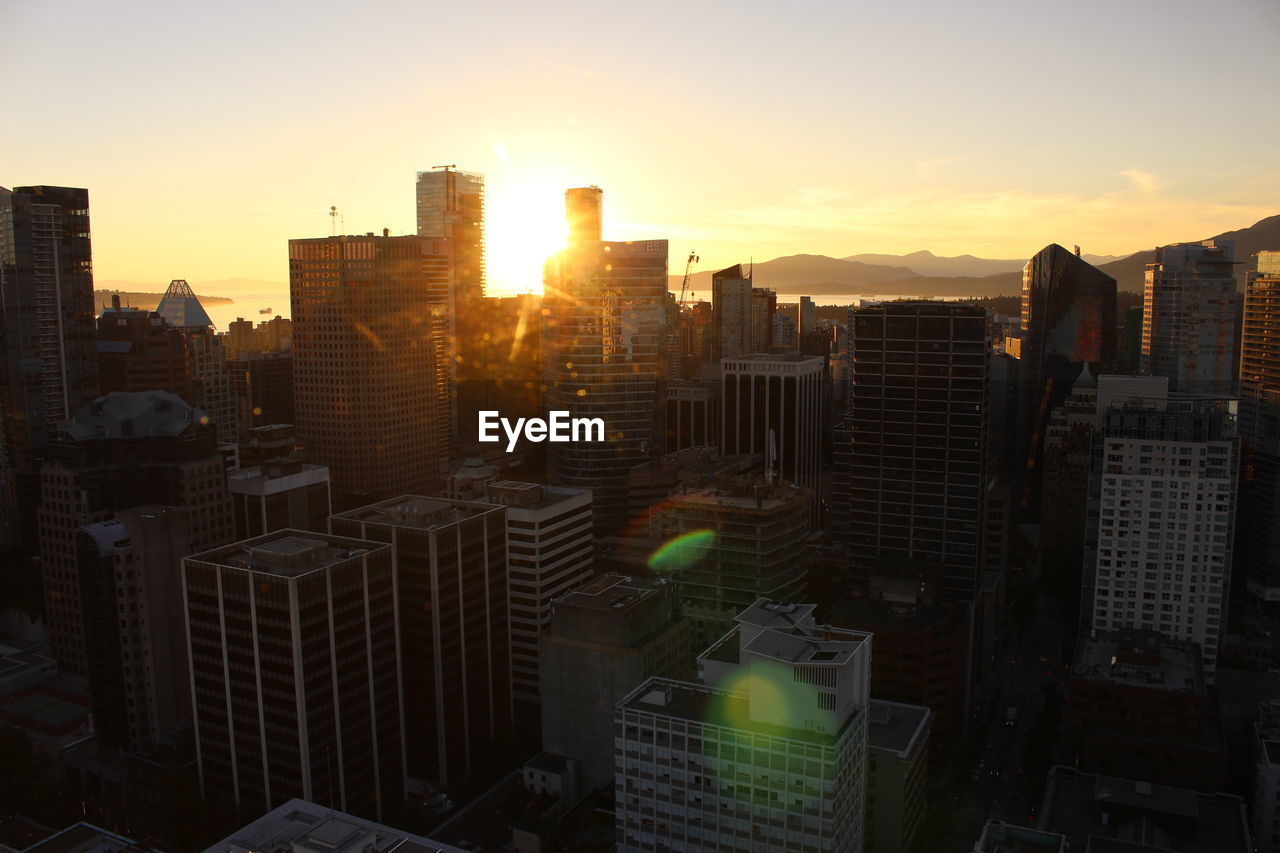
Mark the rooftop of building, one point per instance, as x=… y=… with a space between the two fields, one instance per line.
x=289 y=553
x=738 y=493
x=697 y=703
x=46 y=708
x=85 y=838
x=788 y=357
x=276 y=474
x=612 y=592
x=134 y=414
x=896 y=726
x=549 y=762
x=786 y=633
x=418 y=512
x=23 y=664
x=520 y=495
x=181 y=308
x=1103 y=813
x=1000 y=837
x=300 y=826
x=1140 y=659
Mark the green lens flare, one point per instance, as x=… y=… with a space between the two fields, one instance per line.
x=683 y=551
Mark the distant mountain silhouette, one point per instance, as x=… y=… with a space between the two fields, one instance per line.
x=927 y=263
x=806 y=275
x=1263 y=235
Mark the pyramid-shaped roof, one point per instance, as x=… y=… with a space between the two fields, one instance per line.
x=180 y=307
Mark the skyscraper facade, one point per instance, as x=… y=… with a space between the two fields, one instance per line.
x=1189 y=317
x=295 y=672
x=47 y=329
x=451 y=564
x=370 y=360
x=451 y=206
x=911 y=474
x=604 y=327
x=731 y=309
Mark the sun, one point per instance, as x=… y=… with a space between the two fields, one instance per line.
x=524 y=225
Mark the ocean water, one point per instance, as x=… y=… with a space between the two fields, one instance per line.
x=248 y=306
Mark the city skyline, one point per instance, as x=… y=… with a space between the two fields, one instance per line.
x=862 y=129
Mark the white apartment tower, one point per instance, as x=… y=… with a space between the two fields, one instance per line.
x=1165 y=490
x=768 y=753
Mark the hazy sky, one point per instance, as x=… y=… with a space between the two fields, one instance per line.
x=209 y=134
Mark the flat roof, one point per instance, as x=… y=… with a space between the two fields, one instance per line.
x=698 y=703
x=1140 y=659
x=303 y=825
x=418 y=512
x=895 y=726
x=611 y=592
x=289 y=553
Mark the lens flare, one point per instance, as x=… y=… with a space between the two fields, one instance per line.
x=683 y=551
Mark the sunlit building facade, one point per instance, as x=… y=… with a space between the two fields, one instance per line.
x=371 y=361
x=1259 y=540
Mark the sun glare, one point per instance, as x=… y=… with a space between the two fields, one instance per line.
x=524 y=226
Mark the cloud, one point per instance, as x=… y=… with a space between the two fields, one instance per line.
x=1144 y=181
x=929 y=168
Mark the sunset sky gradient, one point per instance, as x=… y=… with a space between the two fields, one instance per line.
x=209 y=134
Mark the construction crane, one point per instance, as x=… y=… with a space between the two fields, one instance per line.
x=684 y=285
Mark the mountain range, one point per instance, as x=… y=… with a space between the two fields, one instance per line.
x=925 y=274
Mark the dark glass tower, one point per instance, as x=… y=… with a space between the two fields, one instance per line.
x=47 y=326
x=1068 y=319
x=1258 y=547
x=912 y=451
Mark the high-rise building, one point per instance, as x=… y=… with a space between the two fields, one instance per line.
x=123 y=451
x=295 y=672
x=773 y=406
x=207 y=375
x=733 y=541
x=693 y=414
x=549 y=553
x=1259 y=534
x=897 y=773
x=584 y=210
x=278 y=494
x=47 y=325
x=1160 y=555
x=262 y=384
x=1068 y=319
x=808 y=315
x=1189 y=317
x=370 y=360
x=451 y=206
x=731 y=312
x=911 y=454
x=764 y=305
x=138 y=676
x=604 y=328
x=768 y=752
x=1266 y=788
x=605 y=638
x=139 y=351
x=451 y=563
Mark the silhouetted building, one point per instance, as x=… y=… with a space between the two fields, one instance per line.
x=897 y=774
x=277 y=494
x=451 y=563
x=1102 y=814
x=731 y=312
x=773 y=406
x=693 y=414
x=1266 y=788
x=604 y=326
x=604 y=639
x=1258 y=531
x=123 y=451
x=47 y=328
x=139 y=351
x=584 y=210
x=262 y=383
x=295 y=671
x=1189 y=317
x=1137 y=707
x=370 y=359
x=1068 y=319
x=911 y=454
x=732 y=541
x=138 y=670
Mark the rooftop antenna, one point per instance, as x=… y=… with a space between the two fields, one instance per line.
x=335 y=218
x=446 y=168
